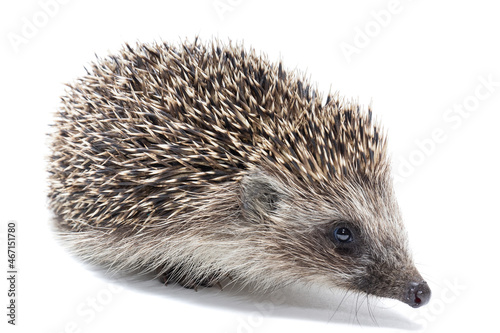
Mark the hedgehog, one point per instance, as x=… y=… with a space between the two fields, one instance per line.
x=200 y=162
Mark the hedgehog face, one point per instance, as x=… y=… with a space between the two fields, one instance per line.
x=376 y=258
x=349 y=235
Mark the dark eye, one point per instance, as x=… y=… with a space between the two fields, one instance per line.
x=346 y=238
x=342 y=235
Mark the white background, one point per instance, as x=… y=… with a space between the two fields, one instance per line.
x=424 y=64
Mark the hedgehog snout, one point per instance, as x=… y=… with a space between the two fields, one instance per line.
x=417 y=294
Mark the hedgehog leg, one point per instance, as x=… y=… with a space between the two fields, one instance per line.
x=175 y=275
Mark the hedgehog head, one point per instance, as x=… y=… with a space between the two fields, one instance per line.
x=323 y=193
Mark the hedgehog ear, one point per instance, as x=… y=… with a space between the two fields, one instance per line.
x=259 y=196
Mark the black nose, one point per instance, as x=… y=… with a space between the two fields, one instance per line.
x=418 y=294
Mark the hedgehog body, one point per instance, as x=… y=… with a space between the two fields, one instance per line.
x=206 y=161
